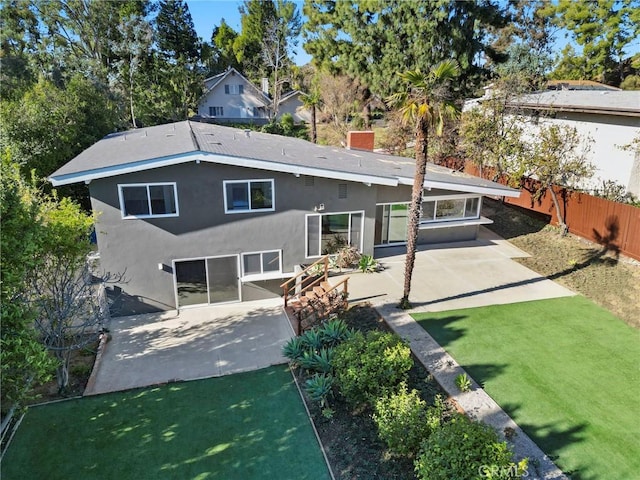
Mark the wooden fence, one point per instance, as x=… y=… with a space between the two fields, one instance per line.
x=611 y=224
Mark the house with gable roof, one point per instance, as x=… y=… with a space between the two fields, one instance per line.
x=198 y=213
x=230 y=97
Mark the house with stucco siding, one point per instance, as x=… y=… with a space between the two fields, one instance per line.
x=196 y=213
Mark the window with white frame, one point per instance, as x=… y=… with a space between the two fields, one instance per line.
x=241 y=196
x=264 y=263
x=328 y=232
x=234 y=89
x=148 y=200
x=452 y=208
x=216 y=111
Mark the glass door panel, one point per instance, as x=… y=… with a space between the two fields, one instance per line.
x=191 y=282
x=223 y=279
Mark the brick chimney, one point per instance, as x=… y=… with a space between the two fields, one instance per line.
x=360 y=140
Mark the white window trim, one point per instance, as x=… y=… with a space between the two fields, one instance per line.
x=451 y=197
x=153 y=184
x=260 y=276
x=250 y=210
x=306 y=230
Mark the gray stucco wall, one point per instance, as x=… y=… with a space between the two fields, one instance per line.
x=136 y=247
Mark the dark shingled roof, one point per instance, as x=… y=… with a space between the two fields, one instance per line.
x=179 y=142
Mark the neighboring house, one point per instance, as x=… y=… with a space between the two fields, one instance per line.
x=293 y=104
x=230 y=97
x=197 y=213
x=611 y=118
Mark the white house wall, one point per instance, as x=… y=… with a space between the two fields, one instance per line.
x=234 y=106
x=609 y=133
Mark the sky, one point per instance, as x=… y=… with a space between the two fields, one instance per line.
x=207 y=14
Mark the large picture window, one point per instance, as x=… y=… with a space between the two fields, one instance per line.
x=148 y=200
x=262 y=263
x=248 y=196
x=445 y=209
x=328 y=232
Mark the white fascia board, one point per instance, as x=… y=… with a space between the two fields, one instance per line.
x=139 y=166
x=460 y=187
x=89 y=175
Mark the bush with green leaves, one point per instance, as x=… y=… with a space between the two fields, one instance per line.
x=404 y=420
x=294 y=349
x=367 y=264
x=462 y=448
x=366 y=367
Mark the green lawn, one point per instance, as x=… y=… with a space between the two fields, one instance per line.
x=245 y=426
x=566 y=370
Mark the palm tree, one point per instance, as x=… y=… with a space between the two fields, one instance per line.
x=425 y=104
x=312 y=101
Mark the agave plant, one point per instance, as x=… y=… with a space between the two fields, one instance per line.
x=312 y=340
x=318 y=387
x=321 y=361
x=335 y=331
x=294 y=349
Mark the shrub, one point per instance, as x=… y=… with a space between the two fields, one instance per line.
x=401 y=418
x=462 y=448
x=366 y=367
x=347 y=256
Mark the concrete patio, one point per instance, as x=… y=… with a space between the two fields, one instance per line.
x=193 y=343
x=452 y=276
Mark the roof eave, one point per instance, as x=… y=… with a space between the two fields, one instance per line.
x=88 y=175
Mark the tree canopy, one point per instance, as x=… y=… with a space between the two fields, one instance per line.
x=373 y=41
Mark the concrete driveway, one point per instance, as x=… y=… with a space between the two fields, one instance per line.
x=455 y=275
x=194 y=343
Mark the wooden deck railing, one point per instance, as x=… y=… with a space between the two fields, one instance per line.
x=291 y=285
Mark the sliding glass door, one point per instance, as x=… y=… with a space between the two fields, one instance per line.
x=207 y=280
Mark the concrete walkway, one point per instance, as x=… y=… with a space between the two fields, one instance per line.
x=194 y=343
x=453 y=276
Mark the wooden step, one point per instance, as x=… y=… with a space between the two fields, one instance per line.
x=319 y=291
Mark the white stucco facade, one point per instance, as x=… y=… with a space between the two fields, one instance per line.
x=609 y=133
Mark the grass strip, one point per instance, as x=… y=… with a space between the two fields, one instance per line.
x=566 y=370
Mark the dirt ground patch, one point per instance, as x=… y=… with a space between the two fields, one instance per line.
x=587 y=268
x=80 y=366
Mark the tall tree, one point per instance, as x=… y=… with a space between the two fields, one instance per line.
x=50 y=125
x=175 y=34
x=221 y=55
x=372 y=41
x=603 y=30
x=280 y=37
x=177 y=66
x=255 y=16
x=426 y=103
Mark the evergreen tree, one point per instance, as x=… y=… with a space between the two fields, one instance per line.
x=175 y=34
x=603 y=31
x=372 y=41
